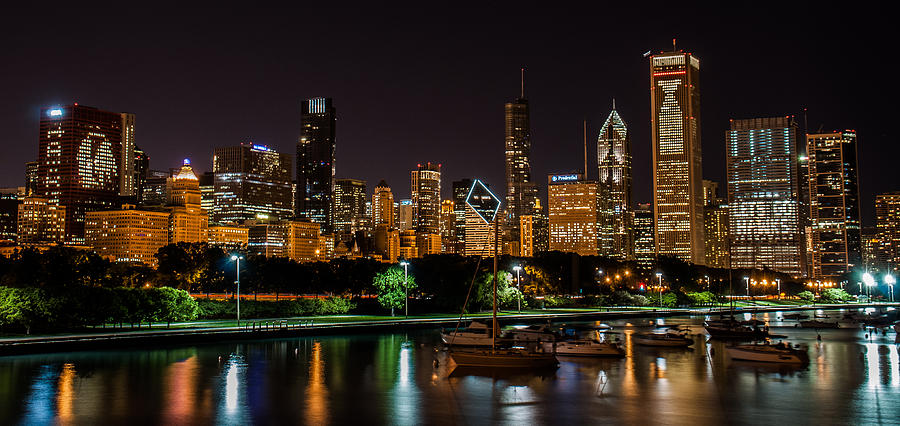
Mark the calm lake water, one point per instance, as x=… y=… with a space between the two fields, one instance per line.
x=391 y=378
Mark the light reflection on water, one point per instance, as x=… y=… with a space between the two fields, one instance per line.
x=391 y=379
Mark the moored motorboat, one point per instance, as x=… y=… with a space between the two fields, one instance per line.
x=795 y=316
x=779 y=353
x=735 y=330
x=671 y=338
x=478 y=333
x=585 y=347
x=532 y=333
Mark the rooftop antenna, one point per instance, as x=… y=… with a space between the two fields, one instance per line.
x=673 y=46
x=585 y=150
x=522 y=94
x=614 y=104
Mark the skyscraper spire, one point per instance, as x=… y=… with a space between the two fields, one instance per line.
x=614 y=104
x=522 y=93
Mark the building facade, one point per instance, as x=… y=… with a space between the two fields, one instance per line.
x=460 y=190
x=349 y=205
x=80 y=162
x=251 y=181
x=315 y=162
x=426 y=198
x=128 y=234
x=677 y=172
x=521 y=191
x=764 y=195
x=449 y=242
x=887 y=214
x=644 y=247
x=614 y=164
x=834 y=204
x=40 y=222
x=383 y=205
x=574 y=206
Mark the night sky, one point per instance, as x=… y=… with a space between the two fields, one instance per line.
x=427 y=82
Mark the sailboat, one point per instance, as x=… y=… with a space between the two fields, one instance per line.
x=518 y=358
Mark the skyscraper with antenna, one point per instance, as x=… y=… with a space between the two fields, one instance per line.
x=521 y=192
x=614 y=178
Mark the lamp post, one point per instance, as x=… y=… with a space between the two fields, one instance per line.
x=405 y=264
x=890 y=281
x=869 y=281
x=778 y=283
x=707 y=282
x=747 y=280
x=659 y=278
x=518 y=268
x=237 y=281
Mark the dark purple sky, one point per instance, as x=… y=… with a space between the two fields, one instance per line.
x=413 y=84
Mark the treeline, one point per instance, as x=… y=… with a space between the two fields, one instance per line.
x=72 y=308
x=250 y=309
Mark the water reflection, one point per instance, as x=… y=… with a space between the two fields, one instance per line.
x=390 y=378
x=316 y=389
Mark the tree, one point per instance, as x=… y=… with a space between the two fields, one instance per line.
x=390 y=286
x=835 y=295
x=806 y=295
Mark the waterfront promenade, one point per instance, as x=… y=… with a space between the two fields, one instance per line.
x=207 y=331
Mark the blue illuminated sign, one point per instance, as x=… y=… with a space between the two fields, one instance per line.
x=564 y=178
x=261 y=148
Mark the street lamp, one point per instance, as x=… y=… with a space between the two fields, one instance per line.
x=747 y=280
x=405 y=264
x=869 y=281
x=890 y=281
x=237 y=281
x=659 y=278
x=518 y=268
x=778 y=282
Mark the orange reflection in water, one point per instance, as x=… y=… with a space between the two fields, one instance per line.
x=65 y=398
x=316 y=390
x=181 y=397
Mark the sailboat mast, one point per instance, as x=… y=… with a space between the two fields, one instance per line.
x=494 y=327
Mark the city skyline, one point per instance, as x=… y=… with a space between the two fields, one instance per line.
x=267 y=113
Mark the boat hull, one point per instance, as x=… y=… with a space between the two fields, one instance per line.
x=786 y=357
x=487 y=359
x=669 y=343
x=464 y=340
x=591 y=349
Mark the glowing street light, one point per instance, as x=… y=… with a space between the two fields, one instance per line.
x=747 y=280
x=518 y=268
x=869 y=281
x=659 y=277
x=237 y=262
x=890 y=281
x=405 y=264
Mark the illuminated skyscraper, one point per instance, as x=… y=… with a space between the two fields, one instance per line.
x=128 y=234
x=644 y=248
x=406 y=215
x=426 y=197
x=574 y=208
x=677 y=173
x=349 y=205
x=715 y=226
x=383 y=206
x=315 y=162
x=834 y=204
x=448 y=227
x=251 y=181
x=887 y=214
x=188 y=222
x=81 y=161
x=521 y=191
x=127 y=184
x=614 y=163
x=460 y=192
x=764 y=195
x=40 y=222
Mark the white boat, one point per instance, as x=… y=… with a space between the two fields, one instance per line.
x=478 y=333
x=532 y=333
x=585 y=347
x=671 y=338
x=780 y=353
